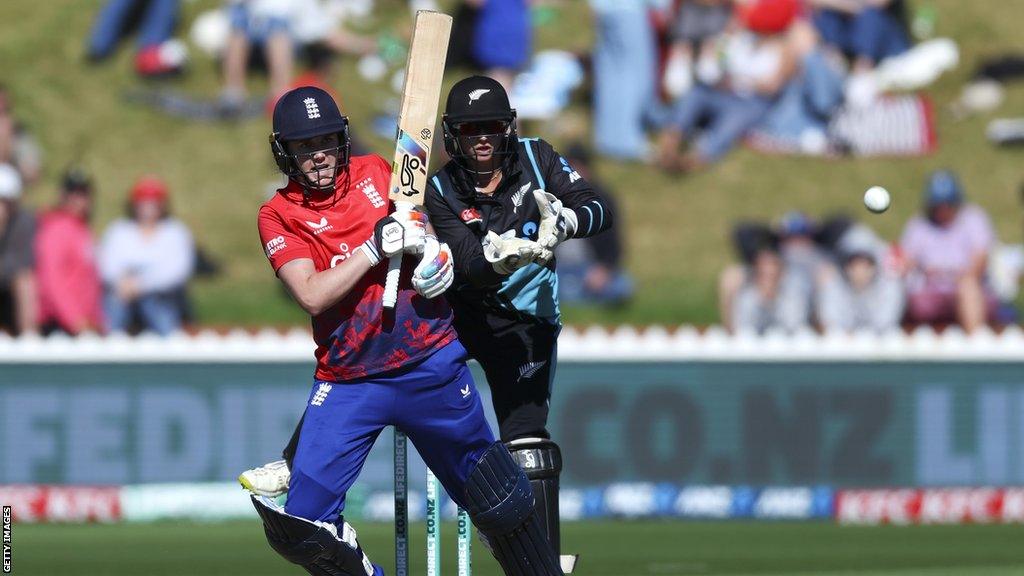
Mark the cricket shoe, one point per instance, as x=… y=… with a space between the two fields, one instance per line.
x=269 y=480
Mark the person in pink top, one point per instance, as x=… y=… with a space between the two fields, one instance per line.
x=946 y=251
x=68 y=282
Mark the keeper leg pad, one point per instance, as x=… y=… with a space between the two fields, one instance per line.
x=501 y=503
x=316 y=546
x=541 y=459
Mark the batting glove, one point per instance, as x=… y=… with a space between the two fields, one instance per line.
x=506 y=253
x=436 y=270
x=414 y=230
x=404 y=230
x=556 y=222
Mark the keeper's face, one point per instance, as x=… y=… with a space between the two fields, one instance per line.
x=480 y=140
x=317 y=158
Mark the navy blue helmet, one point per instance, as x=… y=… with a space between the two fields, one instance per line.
x=303 y=113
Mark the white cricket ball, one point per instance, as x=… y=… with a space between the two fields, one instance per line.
x=876 y=199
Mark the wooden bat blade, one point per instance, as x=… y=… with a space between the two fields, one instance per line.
x=422 y=93
x=424 y=73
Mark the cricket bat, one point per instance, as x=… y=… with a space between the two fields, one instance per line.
x=424 y=72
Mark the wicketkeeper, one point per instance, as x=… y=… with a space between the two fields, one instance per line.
x=326 y=234
x=503 y=203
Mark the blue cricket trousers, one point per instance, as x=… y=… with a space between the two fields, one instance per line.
x=436 y=404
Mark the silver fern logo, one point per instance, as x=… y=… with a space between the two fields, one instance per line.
x=530 y=369
x=518 y=197
x=476 y=94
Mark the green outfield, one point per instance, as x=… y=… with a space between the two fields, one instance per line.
x=607 y=548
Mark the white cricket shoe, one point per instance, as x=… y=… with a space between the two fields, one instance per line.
x=269 y=480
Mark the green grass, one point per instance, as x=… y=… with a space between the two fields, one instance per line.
x=607 y=549
x=677 y=227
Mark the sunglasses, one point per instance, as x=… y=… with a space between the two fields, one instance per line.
x=481 y=128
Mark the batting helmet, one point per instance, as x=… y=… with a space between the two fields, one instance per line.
x=302 y=113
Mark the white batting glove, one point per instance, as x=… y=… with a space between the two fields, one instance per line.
x=436 y=270
x=556 y=222
x=414 y=227
x=404 y=230
x=506 y=253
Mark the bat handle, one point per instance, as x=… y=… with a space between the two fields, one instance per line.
x=391 y=284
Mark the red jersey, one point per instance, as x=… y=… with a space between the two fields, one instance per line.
x=353 y=338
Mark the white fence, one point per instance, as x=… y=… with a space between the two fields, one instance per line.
x=595 y=344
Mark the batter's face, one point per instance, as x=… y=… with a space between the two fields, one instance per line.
x=481 y=140
x=317 y=159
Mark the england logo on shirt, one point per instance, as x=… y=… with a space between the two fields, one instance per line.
x=366 y=185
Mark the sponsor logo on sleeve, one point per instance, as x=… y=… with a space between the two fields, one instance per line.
x=573 y=175
x=275 y=245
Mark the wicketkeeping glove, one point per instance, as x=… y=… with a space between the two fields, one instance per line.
x=506 y=253
x=436 y=270
x=556 y=222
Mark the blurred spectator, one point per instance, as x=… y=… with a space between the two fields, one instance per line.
x=590 y=269
x=758 y=62
x=268 y=25
x=157 y=54
x=69 y=283
x=322 y=22
x=17 y=281
x=864 y=294
x=694 y=31
x=798 y=120
x=805 y=248
x=502 y=38
x=768 y=299
x=624 y=65
x=17 y=146
x=865 y=30
x=145 y=262
x=1005 y=270
x=804 y=257
x=946 y=252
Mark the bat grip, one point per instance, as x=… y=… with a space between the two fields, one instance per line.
x=391 y=284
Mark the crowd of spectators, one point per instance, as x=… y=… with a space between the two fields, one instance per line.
x=54 y=279
x=780 y=73
x=675 y=83
x=840 y=276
